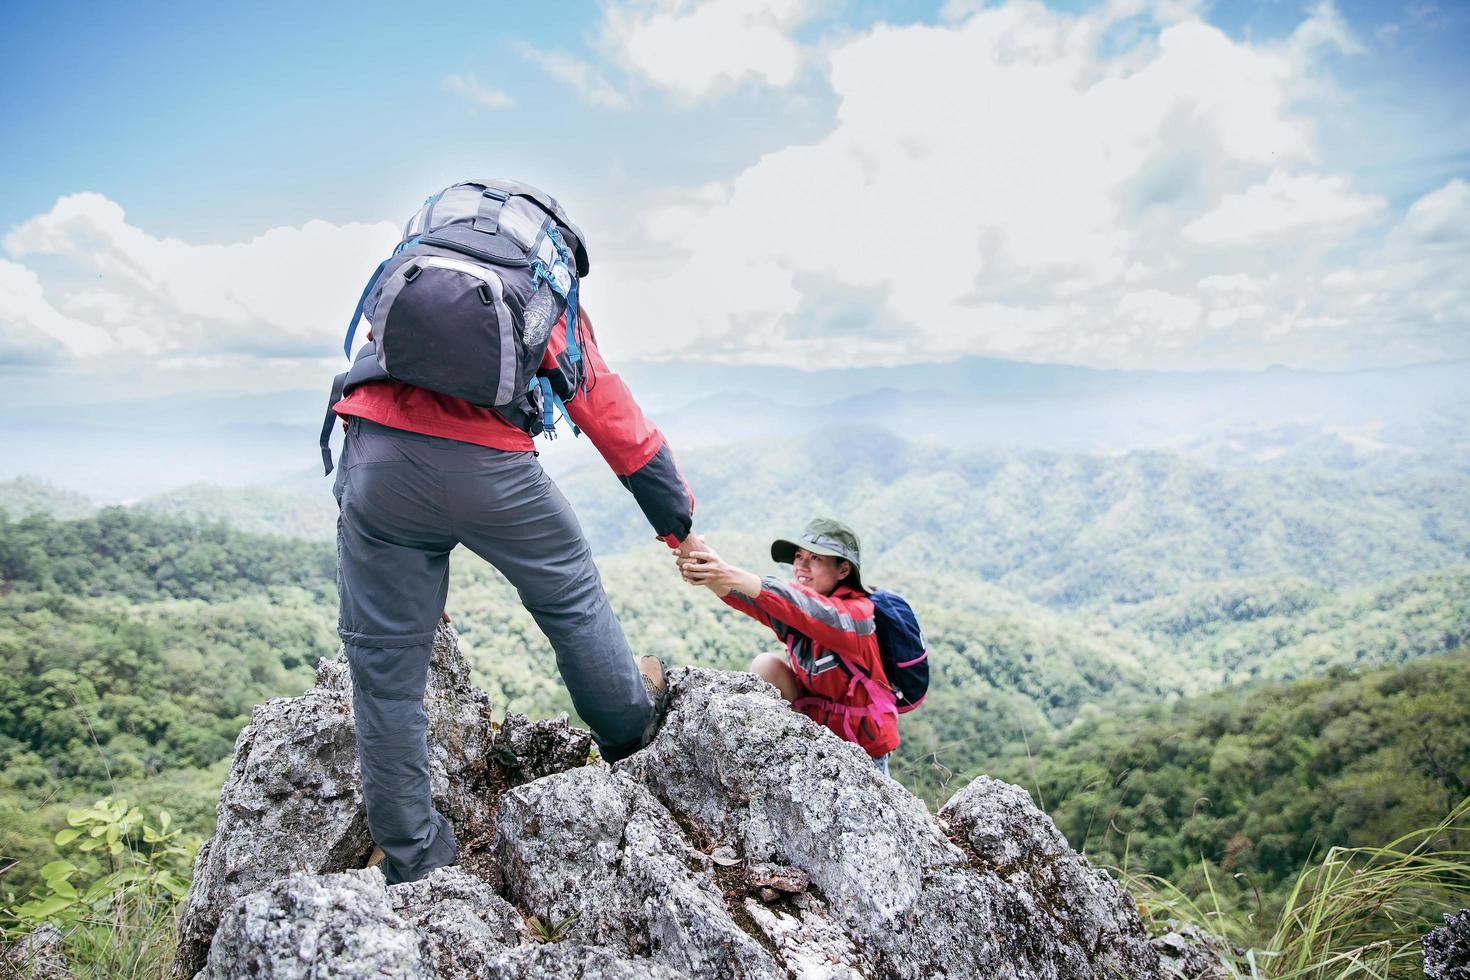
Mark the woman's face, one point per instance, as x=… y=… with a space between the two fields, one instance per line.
x=820 y=573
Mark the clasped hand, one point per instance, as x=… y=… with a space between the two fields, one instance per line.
x=699 y=565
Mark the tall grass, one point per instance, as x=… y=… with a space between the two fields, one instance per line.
x=1359 y=912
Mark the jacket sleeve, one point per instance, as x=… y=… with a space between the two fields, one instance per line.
x=845 y=626
x=633 y=447
x=747 y=605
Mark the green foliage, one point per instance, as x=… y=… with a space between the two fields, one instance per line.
x=139 y=693
x=1065 y=530
x=1358 y=912
x=547 y=929
x=299 y=512
x=140 y=557
x=1236 y=632
x=1233 y=793
x=26 y=495
x=116 y=896
x=1075 y=606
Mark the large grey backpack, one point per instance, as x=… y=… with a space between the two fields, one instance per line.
x=466 y=304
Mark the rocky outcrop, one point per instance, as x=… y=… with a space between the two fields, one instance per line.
x=593 y=849
x=292 y=801
x=744 y=841
x=38 y=956
x=893 y=883
x=1188 y=953
x=1447 y=949
x=1079 y=907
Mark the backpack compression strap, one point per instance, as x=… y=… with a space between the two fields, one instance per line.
x=492 y=199
x=565 y=286
x=368 y=289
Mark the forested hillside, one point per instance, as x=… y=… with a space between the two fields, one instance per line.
x=1066 y=530
x=134 y=648
x=24 y=495
x=1256 y=784
x=1061 y=594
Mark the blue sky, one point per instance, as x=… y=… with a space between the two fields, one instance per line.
x=194 y=192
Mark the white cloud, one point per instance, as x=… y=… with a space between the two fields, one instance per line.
x=32 y=329
x=1281 y=205
x=589 y=83
x=113 y=286
x=1441 y=216
x=1017 y=183
x=1325 y=29
x=695 y=47
x=1014 y=183
x=1156 y=312
x=488 y=98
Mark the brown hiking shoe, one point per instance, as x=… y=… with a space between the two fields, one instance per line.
x=651 y=669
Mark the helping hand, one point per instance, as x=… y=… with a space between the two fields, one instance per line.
x=719 y=576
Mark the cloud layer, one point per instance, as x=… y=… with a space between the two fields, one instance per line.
x=1022 y=182
x=107 y=287
x=1124 y=187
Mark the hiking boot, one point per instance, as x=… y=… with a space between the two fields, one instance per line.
x=652 y=670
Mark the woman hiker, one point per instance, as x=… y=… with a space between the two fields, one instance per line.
x=832 y=670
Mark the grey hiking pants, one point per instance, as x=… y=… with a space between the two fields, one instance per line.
x=405 y=501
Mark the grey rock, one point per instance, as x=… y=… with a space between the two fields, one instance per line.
x=562 y=961
x=448 y=925
x=292 y=801
x=594 y=850
x=1189 y=953
x=740 y=766
x=463 y=923
x=527 y=750
x=809 y=943
x=1083 y=905
x=38 y=956
x=862 y=880
x=1447 y=949
x=308 y=926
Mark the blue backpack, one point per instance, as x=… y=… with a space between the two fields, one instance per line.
x=901 y=642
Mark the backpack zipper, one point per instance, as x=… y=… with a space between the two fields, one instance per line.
x=473 y=252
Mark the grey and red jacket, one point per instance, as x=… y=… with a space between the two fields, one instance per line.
x=605 y=410
x=832 y=645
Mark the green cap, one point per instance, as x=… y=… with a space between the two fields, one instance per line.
x=823 y=536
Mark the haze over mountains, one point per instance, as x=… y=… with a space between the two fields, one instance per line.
x=123 y=451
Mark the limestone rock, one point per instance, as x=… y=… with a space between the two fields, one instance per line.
x=563 y=961
x=306 y=926
x=38 y=956
x=1187 y=953
x=1447 y=949
x=809 y=943
x=292 y=801
x=1009 y=835
x=655 y=867
x=594 y=850
x=528 y=750
x=776 y=878
x=462 y=922
x=743 y=768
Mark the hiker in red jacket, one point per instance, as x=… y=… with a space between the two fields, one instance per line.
x=832 y=670
x=422 y=472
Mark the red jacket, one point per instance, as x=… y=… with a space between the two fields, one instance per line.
x=832 y=644
x=605 y=410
